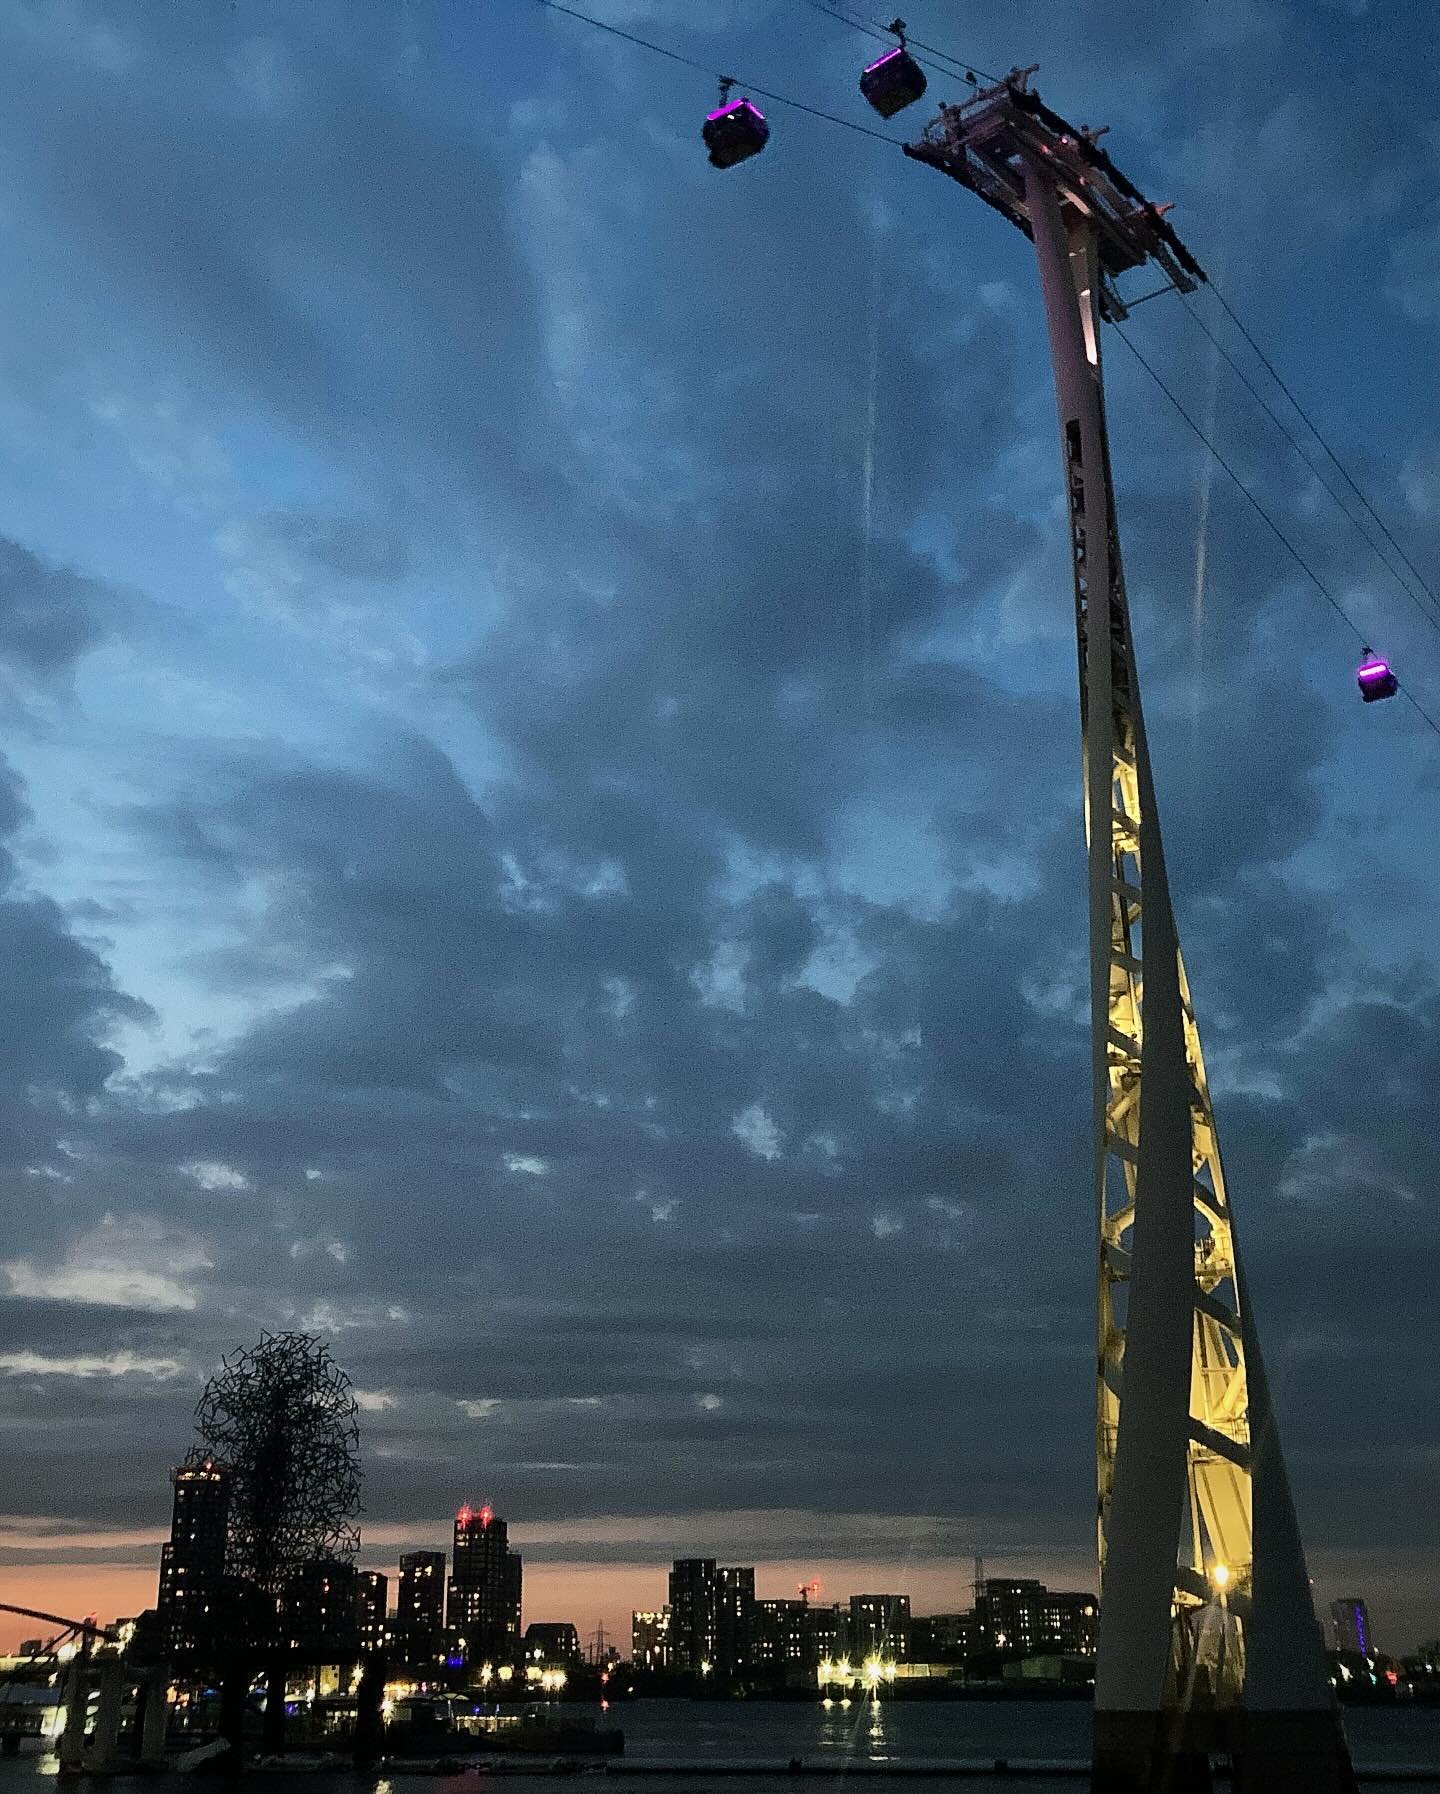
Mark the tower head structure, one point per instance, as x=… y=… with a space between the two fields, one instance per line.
x=1205 y=1606
x=990 y=144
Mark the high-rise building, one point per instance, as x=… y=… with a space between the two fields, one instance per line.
x=650 y=1639
x=1350 y=1624
x=779 y=1642
x=945 y=1637
x=1023 y=1616
x=734 y=1619
x=485 y=1589
x=420 y=1609
x=372 y=1601
x=693 y=1617
x=1072 y=1622
x=192 y=1564
x=321 y=1611
x=827 y=1634
x=879 y=1626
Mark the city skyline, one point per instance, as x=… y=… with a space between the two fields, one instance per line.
x=716 y=1619
x=471 y=1620
x=590 y=1595
x=540 y=833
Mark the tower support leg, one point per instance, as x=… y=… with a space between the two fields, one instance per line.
x=154 y=1718
x=1151 y=1753
x=1299 y=1752
x=77 y=1704
x=105 y=1745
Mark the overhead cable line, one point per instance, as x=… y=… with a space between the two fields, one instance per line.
x=1311 y=426
x=959 y=66
x=1269 y=366
x=765 y=93
x=1268 y=520
x=1270 y=523
x=1430 y=613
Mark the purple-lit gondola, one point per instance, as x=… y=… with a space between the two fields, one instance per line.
x=1375 y=679
x=735 y=130
x=895 y=80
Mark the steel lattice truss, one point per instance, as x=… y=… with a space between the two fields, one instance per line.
x=282 y=1416
x=1217 y=1525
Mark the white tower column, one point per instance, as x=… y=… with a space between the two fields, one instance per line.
x=1140 y=1079
x=1207 y=1636
x=1189 y=1464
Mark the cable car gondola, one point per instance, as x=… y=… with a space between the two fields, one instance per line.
x=735 y=131
x=1375 y=679
x=895 y=80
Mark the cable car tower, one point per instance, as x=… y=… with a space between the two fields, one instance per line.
x=1208 y=1637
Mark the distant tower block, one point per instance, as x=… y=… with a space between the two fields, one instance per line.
x=1350 y=1621
x=1207 y=1633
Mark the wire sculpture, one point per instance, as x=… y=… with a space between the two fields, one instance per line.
x=282 y=1417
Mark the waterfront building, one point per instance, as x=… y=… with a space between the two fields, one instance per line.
x=1023 y=1617
x=650 y=1639
x=552 y=1644
x=712 y=1616
x=420 y=1610
x=514 y=1593
x=780 y=1636
x=320 y=1611
x=372 y=1601
x=693 y=1618
x=734 y=1619
x=827 y=1633
x=192 y=1563
x=879 y=1626
x=483 y=1606
x=1350 y=1625
x=945 y=1637
x=1072 y=1623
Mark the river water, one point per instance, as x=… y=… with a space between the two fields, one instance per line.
x=864 y=1734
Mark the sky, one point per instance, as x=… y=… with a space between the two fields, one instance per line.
x=540 y=787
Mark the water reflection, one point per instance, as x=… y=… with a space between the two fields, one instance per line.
x=851 y=1728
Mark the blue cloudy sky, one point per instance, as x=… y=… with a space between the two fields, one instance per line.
x=540 y=800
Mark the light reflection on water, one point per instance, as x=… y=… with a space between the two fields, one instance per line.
x=849 y=1728
x=838 y=1734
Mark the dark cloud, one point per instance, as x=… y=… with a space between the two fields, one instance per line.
x=49 y=617
x=55 y=1055
x=309 y=545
